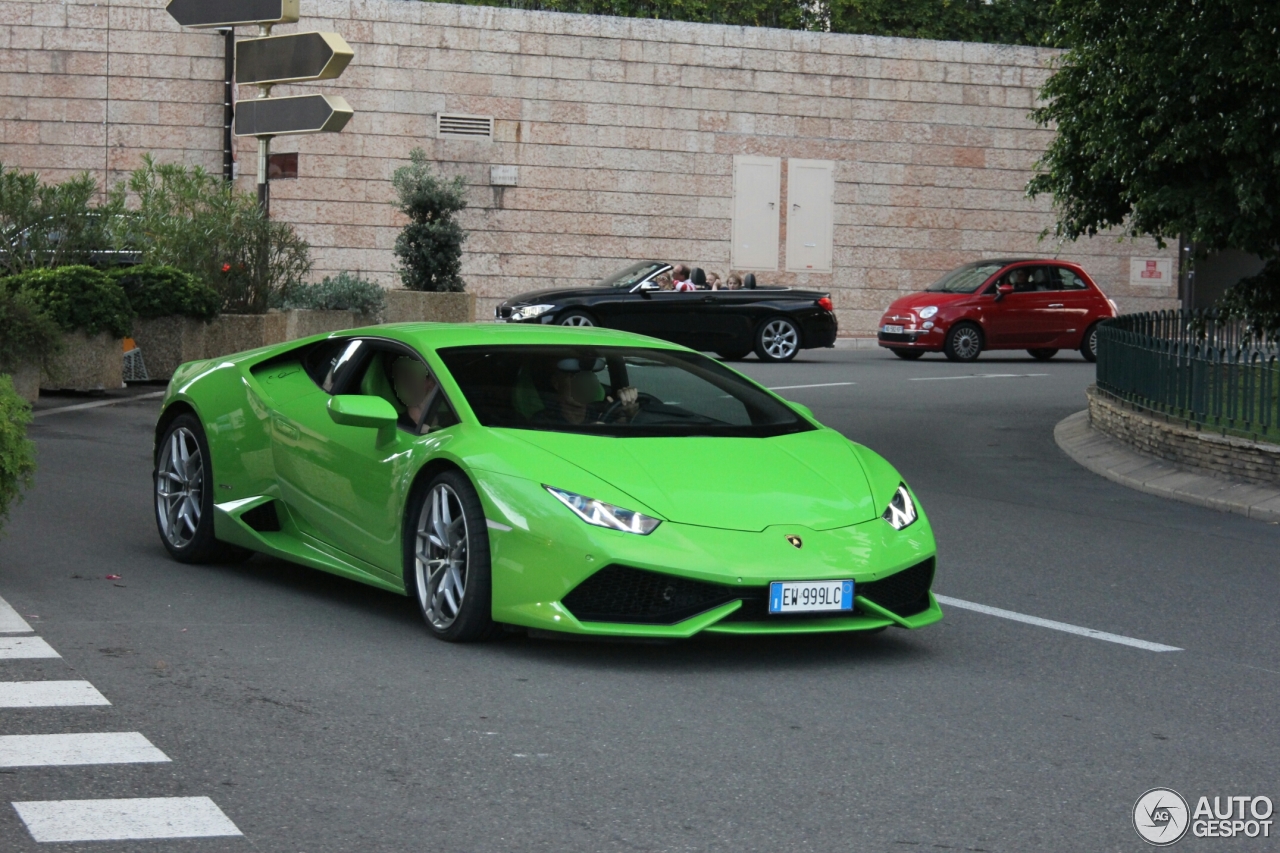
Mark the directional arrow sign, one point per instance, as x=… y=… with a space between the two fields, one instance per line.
x=283 y=116
x=292 y=58
x=232 y=13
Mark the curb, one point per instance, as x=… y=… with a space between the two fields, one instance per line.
x=1111 y=458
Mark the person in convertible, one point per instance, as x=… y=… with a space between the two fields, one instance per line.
x=578 y=397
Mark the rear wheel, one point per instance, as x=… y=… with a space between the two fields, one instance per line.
x=576 y=318
x=447 y=559
x=1042 y=354
x=908 y=354
x=183 y=483
x=777 y=339
x=1089 y=345
x=964 y=342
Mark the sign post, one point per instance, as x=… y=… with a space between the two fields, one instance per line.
x=268 y=61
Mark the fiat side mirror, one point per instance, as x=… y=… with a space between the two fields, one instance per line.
x=359 y=410
x=1003 y=290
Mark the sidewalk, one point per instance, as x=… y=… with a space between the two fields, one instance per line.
x=1116 y=461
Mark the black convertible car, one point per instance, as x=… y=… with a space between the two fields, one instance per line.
x=774 y=322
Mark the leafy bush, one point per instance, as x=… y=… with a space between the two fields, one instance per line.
x=17 y=453
x=430 y=246
x=342 y=292
x=200 y=224
x=27 y=334
x=77 y=298
x=50 y=225
x=157 y=291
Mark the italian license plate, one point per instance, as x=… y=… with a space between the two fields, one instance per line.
x=892 y=330
x=810 y=596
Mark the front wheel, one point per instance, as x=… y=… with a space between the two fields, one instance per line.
x=964 y=342
x=908 y=354
x=576 y=318
x=1042 y=354
x=777 y=339
x=1089 y=345
x=184 y=496
x=447 y=559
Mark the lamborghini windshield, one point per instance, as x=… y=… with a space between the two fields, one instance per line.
x=632 y=274
x=615 y=391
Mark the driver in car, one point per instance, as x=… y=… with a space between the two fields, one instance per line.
x=579 y=398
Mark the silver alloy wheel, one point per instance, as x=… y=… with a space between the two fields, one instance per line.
x=1093 y=342
x=780 y=339
x=440 y=557
x=180 y=487
x=577 y=320
x=966 y=343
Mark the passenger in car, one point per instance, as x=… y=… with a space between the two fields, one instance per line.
x=680 y=279
x=413 y=385
x=663 y=281
x=578 y=397
x=713 y=280
x=733 y=282
x=1021 y=281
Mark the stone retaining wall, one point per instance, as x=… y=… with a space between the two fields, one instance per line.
x=1231 y=458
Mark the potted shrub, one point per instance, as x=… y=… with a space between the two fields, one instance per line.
x=172 y=311
x=28 y=339
x=94 y=316
x=338 y=302
x=429 y=247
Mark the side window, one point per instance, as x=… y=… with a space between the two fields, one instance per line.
x=440 y=414
x=1065 y=279
x=405 y=381
x=330 y=362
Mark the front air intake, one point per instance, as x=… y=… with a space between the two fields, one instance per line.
x=906 y=593
x=624 y=594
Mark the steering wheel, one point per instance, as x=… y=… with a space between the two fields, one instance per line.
x=617 y=406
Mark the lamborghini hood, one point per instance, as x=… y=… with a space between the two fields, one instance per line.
x=811 y=479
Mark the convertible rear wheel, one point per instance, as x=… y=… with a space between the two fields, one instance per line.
x=777 y=340
x=184 y=496
x=448 y=559
x=576 y=318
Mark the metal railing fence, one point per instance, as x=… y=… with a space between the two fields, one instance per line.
x=1209 y=370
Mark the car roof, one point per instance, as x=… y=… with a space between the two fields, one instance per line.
x=437 y=336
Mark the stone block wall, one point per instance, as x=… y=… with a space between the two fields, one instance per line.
x=1223 y=456
x=623 y=130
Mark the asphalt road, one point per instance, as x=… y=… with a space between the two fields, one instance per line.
x=319 y=715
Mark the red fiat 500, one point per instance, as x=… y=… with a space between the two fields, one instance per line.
x=1041 y=306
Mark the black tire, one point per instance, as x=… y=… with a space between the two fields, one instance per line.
x=473 y=620
x=777 y=339
x=576 y=317
x=1089 y=343
x=908 y=354
x=964 y=342
x=734 y=355
x=1042 y=354
x=184 y=490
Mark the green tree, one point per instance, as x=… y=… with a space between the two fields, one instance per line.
x=49 y=225
x=1167 y=114
x=430 y=245
x=27 y=332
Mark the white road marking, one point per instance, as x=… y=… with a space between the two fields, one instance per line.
x=90 y=748
x=975 y=376
x=1056 y=626
x=122 y=820
x=819 y=385
x=11 y=622
x=25 y=647
x=97 y=405
x=49 y=694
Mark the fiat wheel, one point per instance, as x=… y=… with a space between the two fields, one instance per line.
x=447 y=563
x=777 y=340
x=183 y=485
x=964 y=342
x=1089 y=345
x=576 y=318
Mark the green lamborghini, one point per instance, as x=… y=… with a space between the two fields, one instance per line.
x=562 y=479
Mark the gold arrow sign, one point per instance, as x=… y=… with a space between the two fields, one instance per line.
x=232 y=13
x=294 y=58
x=284 y=116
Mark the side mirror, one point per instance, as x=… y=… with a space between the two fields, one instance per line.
x=1003 y=290
x=358 y=410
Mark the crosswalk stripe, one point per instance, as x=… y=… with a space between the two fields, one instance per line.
x=11 y=622
x=25 y=647
x=47 y=694
x=87 y=748
x=124 y=820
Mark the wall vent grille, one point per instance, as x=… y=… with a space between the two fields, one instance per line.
x=458 y=126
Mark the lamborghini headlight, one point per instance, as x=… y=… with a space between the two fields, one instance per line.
x=901 y=512
x=605 y=515
x=528 y=312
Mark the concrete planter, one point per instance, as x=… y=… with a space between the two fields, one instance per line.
x=26 y=381
x=167 y=342
x=85 y=364
x=302 y=323
x=231 y=333
x=413 y=306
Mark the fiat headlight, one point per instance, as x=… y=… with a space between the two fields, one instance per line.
x=926 y=313
x=605 y=515
x=528 y=312
x=901 y=512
